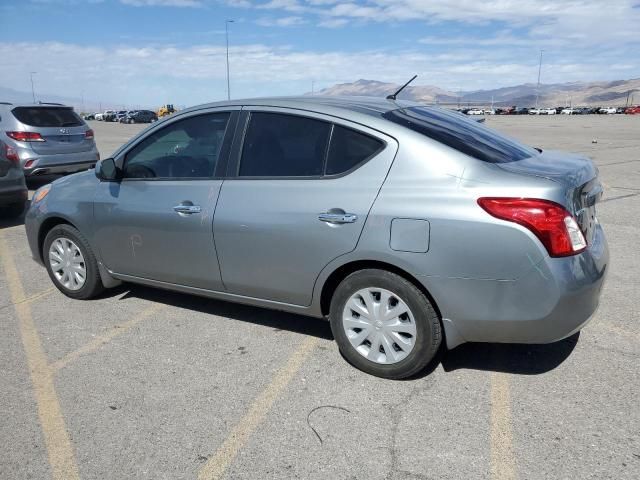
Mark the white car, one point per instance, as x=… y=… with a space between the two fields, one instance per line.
x=489 y=111
x=99 y=116
x=568 y=111
x=475 y=111
x=549 y=111
x=534 y=111
x=608 y=110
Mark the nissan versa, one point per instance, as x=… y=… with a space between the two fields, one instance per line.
x=407 y=226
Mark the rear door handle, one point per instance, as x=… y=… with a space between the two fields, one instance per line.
x=187 y=209
x=338 y=217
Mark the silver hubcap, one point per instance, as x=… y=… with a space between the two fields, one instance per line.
x=67 y=263
x=379 y=325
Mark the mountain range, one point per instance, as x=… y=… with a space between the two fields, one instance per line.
x=619 y=93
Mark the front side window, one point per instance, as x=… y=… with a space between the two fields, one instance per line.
x=278 y=145
x=461 y=134
x=188 y=148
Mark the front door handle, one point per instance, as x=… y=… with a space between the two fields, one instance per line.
x=186 y=209
x=338 y=217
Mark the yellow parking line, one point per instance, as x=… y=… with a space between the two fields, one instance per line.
x=502 y=456
x=217 y=464
x=107 y=337
x=56 y=437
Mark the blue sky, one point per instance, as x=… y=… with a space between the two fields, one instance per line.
x=147 y=52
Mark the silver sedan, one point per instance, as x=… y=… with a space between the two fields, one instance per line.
x=408 y=227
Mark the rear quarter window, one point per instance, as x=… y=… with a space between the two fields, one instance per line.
x=47 y=117
x=461 y=134
x=349 y=149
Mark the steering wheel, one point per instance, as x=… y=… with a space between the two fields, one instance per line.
x=140 y=171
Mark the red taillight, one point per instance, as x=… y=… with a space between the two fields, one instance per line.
x=11 y=154
x=554 y=226
x=26 y=136
x=88 y=134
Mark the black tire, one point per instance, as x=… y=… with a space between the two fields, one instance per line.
x=14 y=210
x=93 y=284
x=428 y=330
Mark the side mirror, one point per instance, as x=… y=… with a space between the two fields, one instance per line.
x=107 y=170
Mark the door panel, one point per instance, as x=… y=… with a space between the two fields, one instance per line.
x=270 y=240
x=139 y=233
x=157 y=222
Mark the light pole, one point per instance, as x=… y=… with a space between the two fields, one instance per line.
x=33 y=92
x=226 y=29
x=539 y=70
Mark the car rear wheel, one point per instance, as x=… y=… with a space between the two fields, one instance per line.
x=71 y=264
x=384 y=325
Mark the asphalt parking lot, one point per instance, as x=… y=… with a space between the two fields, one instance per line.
x=149 y=384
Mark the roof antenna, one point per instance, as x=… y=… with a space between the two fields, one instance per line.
x=395 y=95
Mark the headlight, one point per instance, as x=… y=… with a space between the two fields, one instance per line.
x=41 y=193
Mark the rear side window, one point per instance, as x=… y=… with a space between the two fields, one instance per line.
x=47 y=116
x=278 y=145
x=349 y=148
x=464 y=135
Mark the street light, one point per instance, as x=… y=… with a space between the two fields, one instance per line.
x=538 y=87
x=33 y=93
x=226 y=29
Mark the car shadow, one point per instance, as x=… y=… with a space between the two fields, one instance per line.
x=520 y=359
x=277 y=320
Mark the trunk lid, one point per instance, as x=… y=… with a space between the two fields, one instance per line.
x=575 y=174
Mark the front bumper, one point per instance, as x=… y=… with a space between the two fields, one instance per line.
x=552 y=301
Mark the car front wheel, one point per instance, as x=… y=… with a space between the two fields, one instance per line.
x=71 y=264
x=384 y=325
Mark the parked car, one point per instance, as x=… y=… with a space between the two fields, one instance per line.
x=141 y=116
x=521 y=111
x=633 y=110
x=547 y=111
x=568 y=111
x=48 y=138
x=475 y=111
x=119 y=115
x=13 y=189
x=620 y=110
x=535 y=111
x=343 y=209
x=99 y=116
x=489 y=111
x=109 y=115
x=89 y=116
x=608 y=110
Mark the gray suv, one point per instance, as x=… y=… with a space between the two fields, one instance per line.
x=48 y=138
x=406 y=226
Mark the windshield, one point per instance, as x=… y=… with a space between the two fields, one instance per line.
x=461 y=134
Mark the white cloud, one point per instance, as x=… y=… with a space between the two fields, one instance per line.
x=281 y=22
x=162 y=3
x=187 y=75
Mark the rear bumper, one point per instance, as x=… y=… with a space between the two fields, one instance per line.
x=59 y=163
x=552 y=301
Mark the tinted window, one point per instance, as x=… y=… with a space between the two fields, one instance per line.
x=278 y=145
x=466 y=136
x=349 y=148
x=187 y=148
x=47 y=116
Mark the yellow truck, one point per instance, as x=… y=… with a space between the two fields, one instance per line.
x=165 y=110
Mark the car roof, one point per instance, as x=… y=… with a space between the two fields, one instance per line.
x=11 y=106
x=372 y=106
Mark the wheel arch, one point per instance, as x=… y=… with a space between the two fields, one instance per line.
x=46 y=226
x=340 y=273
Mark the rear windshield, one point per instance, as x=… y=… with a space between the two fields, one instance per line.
x=47 y=116
x=462 y=134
